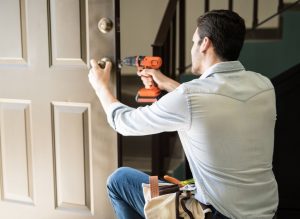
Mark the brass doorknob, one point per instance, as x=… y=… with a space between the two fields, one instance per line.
x=103 y=61
x=105 y=25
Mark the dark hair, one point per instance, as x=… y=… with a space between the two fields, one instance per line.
x=226 y=29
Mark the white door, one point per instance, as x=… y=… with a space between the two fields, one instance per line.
x=56 y=149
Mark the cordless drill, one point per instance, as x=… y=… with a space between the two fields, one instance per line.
x=150 y=93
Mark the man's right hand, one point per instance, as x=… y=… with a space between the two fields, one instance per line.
x=163 y=82
x=98 y=77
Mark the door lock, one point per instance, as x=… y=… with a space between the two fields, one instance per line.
x=103 y=61
x=105 y=25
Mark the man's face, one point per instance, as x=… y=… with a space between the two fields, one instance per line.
x=196 y=54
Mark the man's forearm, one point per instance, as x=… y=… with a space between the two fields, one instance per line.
x=171 y=85
x=162 y=81
x=106 y=97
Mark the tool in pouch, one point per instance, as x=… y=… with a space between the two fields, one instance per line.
x=168 y=201
x=174 y=186
x=185 y=185
x=151 y=93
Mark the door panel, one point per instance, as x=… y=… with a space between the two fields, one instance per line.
x=14 y=33
x=72 y=150
x=17 y=181
x=56 y=148
x=68 y=26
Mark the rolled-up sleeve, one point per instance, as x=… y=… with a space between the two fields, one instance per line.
x=170 y=113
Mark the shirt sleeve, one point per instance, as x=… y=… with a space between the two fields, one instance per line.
x=170 y=113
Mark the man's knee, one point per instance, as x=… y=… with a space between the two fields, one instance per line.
x=118 y=177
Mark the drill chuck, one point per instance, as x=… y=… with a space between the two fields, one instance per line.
x=130 y=61
x=152 y=62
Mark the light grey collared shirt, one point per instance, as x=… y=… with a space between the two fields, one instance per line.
x=225 y=120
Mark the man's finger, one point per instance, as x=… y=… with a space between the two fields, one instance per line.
x=108 y=66
x=94 y=64
x=143 y=73
x=91 y=73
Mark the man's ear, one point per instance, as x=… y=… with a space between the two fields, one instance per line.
x=206 y=43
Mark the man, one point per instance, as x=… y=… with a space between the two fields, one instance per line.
x=225 y=120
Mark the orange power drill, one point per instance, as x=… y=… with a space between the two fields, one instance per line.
x=150 y=93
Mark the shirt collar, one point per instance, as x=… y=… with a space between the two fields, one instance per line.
x=223 y=67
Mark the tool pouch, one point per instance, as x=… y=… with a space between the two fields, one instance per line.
x=166 y=201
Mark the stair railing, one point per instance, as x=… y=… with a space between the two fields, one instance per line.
x=255 y=32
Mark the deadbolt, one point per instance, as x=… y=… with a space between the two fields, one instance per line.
x=105 y=25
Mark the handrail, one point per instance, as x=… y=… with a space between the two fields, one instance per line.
x=167 y=19
x=166 y=43
x=280 y=11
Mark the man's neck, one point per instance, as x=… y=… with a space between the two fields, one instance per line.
x=210 y=61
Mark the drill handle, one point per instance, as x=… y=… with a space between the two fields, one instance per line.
x=150 y=82
x=147 y=80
